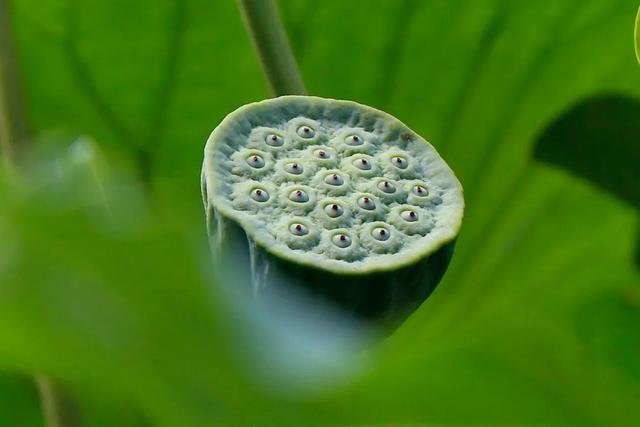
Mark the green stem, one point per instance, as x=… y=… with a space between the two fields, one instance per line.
x=57 y=406
x=636 y=35
x=13 y=123
x=270 y=41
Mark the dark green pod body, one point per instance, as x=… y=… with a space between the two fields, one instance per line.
x=333 y=200
x=383 y=299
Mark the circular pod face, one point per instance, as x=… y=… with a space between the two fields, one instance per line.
x=332 y=185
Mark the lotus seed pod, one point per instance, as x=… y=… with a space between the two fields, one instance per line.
x=337 y=199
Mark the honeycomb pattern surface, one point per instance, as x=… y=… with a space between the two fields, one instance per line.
x=331 y=183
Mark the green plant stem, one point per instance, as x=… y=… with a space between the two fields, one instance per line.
x=57 y=407
x=270 y=41
x=636 y=35
x=13 y=123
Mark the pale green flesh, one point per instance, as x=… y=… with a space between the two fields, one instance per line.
x=292 y=163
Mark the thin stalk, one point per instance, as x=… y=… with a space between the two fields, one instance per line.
x=57 y=407
x=270 y=41
x=13 y=123
x=636 y=35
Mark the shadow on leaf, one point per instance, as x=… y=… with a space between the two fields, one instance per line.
x=598 y=139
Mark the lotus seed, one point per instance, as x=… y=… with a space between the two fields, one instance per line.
x=409 y=216
x=298 y=196
x=274 y=140
x=321 y=154
x=362 y=164
x=293 y=168
x=419 y=190
x=380 y=233
x=334 y=179
x=400 y=162
x=306 y=132
x=298 y=229
x=255 y=161
x=333 y=210
x=366 y=203
x=259 y=195
x=341 y=240
x=353 y=140
x=387 y=187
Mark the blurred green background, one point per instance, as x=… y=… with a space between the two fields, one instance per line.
x=536 y=107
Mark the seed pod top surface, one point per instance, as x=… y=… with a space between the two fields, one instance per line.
x=331 y=184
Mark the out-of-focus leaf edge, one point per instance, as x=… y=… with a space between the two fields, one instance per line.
x=636 y=36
